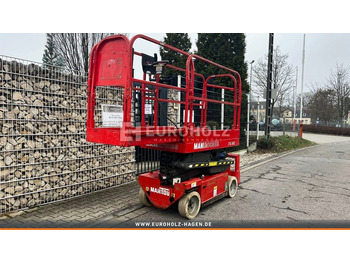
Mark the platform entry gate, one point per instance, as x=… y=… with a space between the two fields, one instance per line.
x=148 y=159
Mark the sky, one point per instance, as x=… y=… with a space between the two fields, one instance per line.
x=322 y=50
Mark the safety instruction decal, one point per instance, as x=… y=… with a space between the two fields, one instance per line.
x=112 y=115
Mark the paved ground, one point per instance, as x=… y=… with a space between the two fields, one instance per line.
x=117 y=206
x=324 y=139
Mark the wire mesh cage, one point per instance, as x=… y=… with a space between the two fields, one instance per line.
x=44 y=155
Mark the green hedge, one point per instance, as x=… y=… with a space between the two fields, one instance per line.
x=341 y=131
x=282 y=143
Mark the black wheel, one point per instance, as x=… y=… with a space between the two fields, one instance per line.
x=232 y=186
x=189 y=205
x=144 y=199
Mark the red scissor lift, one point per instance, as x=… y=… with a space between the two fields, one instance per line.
x=194 y=168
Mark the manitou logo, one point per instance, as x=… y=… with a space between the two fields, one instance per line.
x=202 y=145
x=161 y=191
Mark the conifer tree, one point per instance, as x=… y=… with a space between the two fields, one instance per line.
x=50 y=56
x=227 y=49
x=180 y=41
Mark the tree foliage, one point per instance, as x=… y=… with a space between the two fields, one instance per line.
x=339 y=83
x=322 y=105
x=329 y=102
x=227 y=49
x=180 y=41
x=51 y=57
x=283 y=77
x=74 y=48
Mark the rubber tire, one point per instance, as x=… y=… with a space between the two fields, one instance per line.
x=232 y=181
x=184 y=208
x=144 y=199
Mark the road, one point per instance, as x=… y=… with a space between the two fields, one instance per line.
x=305 y=188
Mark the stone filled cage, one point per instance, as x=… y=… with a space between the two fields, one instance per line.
x=44 y=156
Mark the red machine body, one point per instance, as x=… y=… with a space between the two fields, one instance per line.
x=189 y=184
x=209 y=187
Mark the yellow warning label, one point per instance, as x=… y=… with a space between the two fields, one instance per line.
x=215 y=190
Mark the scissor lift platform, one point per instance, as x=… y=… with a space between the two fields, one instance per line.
x=184 y=143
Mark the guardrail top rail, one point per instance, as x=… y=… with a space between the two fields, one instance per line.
x=112 y=65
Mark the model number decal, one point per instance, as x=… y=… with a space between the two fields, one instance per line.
x=161 y=191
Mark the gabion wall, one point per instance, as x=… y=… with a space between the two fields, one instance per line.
x=44 y=156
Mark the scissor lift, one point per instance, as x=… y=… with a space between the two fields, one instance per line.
x=194 y=167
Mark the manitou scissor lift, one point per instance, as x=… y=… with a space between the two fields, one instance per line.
x=194 y=167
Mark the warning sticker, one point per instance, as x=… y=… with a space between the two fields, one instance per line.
x=215 y=192
x=112 y=115
x=148 y=109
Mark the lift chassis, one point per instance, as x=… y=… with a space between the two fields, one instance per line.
x=194 y=166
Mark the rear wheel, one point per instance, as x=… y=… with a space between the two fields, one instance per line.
x=189 y=205
x=232 y=186
x=144 y=199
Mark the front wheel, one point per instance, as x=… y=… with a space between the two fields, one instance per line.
x=189 y=205
x=144 y=199
x=232 y=186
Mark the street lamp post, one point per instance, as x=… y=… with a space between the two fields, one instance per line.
x=249 y=100
x=257 y=123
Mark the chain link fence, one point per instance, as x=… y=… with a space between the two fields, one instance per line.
x=44 y=155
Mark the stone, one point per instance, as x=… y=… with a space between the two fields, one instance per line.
x=26 y=85
x=31 y=144
x=72 y=129
x=37 y=155
x=42 y=84
x=8 y=160
x=38 y=103
x=23 y=201
x=55 y=87
x=18 y=188
x=47 y=187
x=34 y=111
x=3 y=141
x=32 y=187
x=29 y=168
x=12 y=141
x=29 y=127
x=10 y=190
x=31 y=203
x=8 y=147
x=17 y=96
x=10 y=201
x=7 y=77
x=64 y=192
